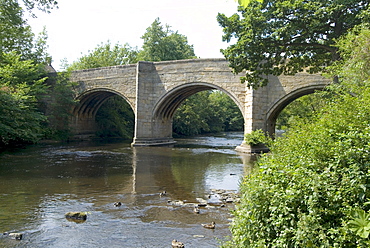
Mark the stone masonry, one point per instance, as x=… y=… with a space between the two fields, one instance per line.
x=155 y=90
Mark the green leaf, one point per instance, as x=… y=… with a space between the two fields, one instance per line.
x=360 y=224
x=245 y=3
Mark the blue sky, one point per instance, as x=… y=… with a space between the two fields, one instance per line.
x=80 y=25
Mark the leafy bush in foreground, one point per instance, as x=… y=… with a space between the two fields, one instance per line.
x=312 y=190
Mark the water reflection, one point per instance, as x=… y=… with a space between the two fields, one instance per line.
x=38 y=185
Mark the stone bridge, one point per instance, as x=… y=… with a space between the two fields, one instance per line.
x=155 y=90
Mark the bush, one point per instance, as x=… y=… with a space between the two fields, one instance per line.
x=312 y=189
x=300 y=195
x=257 y=137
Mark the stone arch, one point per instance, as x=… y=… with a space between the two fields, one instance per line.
x=89 y=102
x=169 y=102
x=274 y=111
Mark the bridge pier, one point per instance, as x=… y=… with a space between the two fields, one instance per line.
x=150 y=130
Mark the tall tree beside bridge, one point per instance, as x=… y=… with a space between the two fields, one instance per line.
x=106 y=54
x=23 y=87
x=162 y=44
x=284 y=37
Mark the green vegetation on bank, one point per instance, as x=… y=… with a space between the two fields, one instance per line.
x=31 y=106
x=312 y=189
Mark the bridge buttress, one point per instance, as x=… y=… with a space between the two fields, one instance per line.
x=149 y=131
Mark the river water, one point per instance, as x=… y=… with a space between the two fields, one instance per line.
x=40 y=183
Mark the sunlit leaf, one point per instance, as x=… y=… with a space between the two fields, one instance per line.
x=245 y=3
x=360 y=224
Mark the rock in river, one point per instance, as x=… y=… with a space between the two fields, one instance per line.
x=79 y=216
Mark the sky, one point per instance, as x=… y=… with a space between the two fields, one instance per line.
x=79 y=26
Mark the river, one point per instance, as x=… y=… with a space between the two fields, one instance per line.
x=40 y=183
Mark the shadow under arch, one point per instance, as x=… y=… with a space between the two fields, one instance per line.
x=90 y=101
x=166 y=107
x=88 y=104
x=279 y=105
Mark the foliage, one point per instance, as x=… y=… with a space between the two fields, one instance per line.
x=285 y=37
x=115 y=118
x=21 y=83
x=43 y=5
x=245 y=3
x=24 y=88
x=226 y=114
x=304 y=107
x=58 y=102
x=207 y=112
x=360 y=223
x=313 y=187
x=356 y=55
x=300 y=193
x=161 y=44
x=15 y=34
x=257 y=137
x=189 y=117
x=106 y=55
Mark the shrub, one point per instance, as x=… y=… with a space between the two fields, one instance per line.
x=312 y=189
x=257 y=137
x=300 y=194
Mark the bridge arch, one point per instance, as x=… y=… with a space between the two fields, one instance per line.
x=88 y=104
x=274 y=111
x=171 y=100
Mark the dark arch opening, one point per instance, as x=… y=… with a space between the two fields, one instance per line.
x=278 y=107
x=207 y=112
x=169 y=103
x=207 y=119
x=99 y=112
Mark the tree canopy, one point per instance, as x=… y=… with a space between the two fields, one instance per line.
x=161 y=44
x=245 y=3
x=285 y=37
x=43 y=5
x=106 y=55
x=24 y=115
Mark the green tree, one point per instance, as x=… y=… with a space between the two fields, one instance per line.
x=304 y=107
x=245 y=3
x=24 y=89
x=190 y=117
x=207 y=112
x=15 y=34
x=226 y=113
x=106 y=55
x=312 y=189
x=115 y=119
x=285 y=37
x=43 y=5
x=21 y=84
x=56 y=103
x=161 y=44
